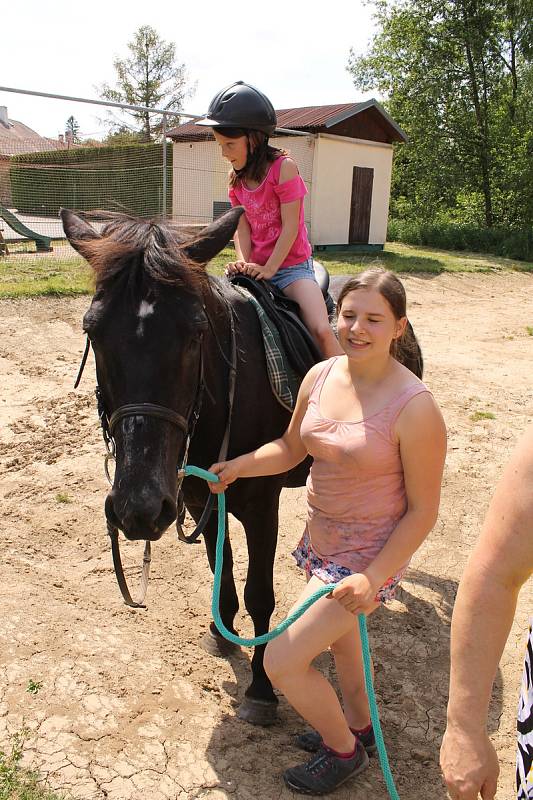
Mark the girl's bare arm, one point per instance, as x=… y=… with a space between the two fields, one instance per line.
x=274 y=457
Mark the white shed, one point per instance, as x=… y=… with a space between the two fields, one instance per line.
x=345 y=159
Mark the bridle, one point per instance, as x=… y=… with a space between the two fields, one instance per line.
x=108 y=423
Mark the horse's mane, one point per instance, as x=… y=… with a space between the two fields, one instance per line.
x=129 y=245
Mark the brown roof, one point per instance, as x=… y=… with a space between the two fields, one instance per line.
x=17 y=138
x=314 y=119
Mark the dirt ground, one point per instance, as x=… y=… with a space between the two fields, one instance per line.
x=126 y=704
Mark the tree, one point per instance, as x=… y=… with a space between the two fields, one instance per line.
x=457 y=78
x=122 y=136
x=148 y=77
x=72 y=127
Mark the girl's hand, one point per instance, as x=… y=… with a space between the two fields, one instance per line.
x=355 y=593
x=258 y=272
x=227 y=472
x=234 y=267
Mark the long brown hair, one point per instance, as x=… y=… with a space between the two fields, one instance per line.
x=263 y=154
x=405 y=349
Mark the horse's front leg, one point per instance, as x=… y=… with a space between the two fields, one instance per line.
x=213 y=641
x=261 y=526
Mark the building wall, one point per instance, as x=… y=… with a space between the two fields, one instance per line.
x=335 y=158
x=200 y=176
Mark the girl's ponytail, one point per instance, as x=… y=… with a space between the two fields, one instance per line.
x=407 y=351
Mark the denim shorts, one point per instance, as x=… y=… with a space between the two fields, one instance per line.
x=284 y=277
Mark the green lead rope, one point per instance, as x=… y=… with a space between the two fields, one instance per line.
x=267 y=637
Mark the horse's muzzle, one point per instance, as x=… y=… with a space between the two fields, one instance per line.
x=141 y=519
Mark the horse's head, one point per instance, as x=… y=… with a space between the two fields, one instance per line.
x=146 y=323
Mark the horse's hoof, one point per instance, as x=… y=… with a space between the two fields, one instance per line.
x=258 y=712
x=217 y=645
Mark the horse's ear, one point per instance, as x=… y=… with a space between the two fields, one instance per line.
x=211 y=240
x=77 y=231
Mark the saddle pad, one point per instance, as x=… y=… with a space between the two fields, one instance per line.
x=283 y=379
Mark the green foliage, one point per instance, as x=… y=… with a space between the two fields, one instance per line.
x=500 y=241
x=478 y=416
x=113 y=178
x=63 y=497
x=33 y=687
x=38 y=274
x=148 y=77
x=458 y=78
x=17 y=783
x=123 y=136
x=72 y=127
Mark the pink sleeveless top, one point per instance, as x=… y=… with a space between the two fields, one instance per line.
x=263 y=212
x=355 y=489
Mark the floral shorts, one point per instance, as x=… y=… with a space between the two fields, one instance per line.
x=329 y=572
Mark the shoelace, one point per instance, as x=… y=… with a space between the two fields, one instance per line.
x=324 y=761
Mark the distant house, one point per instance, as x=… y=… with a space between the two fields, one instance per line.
x=15 y=139
x=345 y=160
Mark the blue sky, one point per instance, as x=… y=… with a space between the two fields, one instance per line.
x=296 y=55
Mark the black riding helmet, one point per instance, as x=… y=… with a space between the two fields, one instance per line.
x=241 y=106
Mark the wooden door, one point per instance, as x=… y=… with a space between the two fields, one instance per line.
x=361 y=203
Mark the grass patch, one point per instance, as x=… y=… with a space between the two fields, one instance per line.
x=529 y=329
x=63 y=497
x=477 y=416
x=37 y=274
x=17 y=782
x=64 y=273
x=407 y=258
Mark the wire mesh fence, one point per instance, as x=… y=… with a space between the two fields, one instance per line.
x=182 y=180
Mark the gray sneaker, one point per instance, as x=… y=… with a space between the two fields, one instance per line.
x=310 y=741
x=325 y=772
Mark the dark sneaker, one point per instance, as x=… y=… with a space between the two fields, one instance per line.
x=325 y=771
x=311 y=740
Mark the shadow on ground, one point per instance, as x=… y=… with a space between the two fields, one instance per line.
x=410 y=644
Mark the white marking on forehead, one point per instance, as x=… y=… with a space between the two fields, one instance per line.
x=145 y=310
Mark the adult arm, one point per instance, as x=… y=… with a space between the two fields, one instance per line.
x=277 y=456
x=500 y=563
x=422 y=437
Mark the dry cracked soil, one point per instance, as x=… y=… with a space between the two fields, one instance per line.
x=126 y=704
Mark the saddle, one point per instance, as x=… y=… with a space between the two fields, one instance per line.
x=297 y=345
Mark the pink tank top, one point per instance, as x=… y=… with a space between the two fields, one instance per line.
x=355 y=489
x=263 y=212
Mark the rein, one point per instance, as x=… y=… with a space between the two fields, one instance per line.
x=292 y=617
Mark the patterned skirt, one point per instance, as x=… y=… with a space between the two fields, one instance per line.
x=330 y=572
x=524 y=728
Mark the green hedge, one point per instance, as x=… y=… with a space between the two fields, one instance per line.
x=127 y=177
x=499 y=241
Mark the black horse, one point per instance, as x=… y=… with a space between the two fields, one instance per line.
x=160 y=327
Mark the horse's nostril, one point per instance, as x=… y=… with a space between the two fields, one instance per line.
x=167 y=515
x=110 y=514
x=140 y=519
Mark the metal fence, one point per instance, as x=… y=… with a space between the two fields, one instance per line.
x=182 y=180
